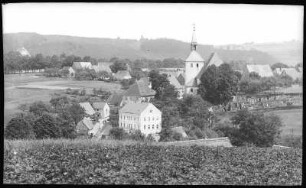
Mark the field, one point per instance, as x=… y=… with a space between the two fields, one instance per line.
x=117 y=162
x=292 y=120
x=27 y=88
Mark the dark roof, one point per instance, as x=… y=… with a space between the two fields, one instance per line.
x=181 y=79
x=115 y=99
x=134 y=108
x=98 y=105
x=140 y=88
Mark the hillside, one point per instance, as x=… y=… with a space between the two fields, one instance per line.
x=123 y=48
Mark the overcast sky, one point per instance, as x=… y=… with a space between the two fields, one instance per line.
x=215 y=24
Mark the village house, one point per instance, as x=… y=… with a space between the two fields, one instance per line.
x=178 y=87
x=103 y=109
x=144 y=117
x=115 y=100
x=122 y=75
x=81 y=65
x=139 y=92
x=71 y=71
x=261 y=70
x=292 y=72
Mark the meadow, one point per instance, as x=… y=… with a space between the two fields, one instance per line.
x=131 y=162
x=28 y=88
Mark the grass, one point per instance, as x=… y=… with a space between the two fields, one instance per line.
x=14 y=96
x=291 y=118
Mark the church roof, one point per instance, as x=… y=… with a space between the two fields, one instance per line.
x=214 y=59
x=181 y=79
x=194 y=57
x=173 y=81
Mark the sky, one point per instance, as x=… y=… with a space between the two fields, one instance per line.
x=215 y=24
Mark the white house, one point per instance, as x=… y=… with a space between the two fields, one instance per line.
x=81 y=65
x=140 y=116
x=103 y=109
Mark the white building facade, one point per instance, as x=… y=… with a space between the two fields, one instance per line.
x=140 y=116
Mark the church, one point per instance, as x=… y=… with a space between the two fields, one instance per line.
x=195 y=66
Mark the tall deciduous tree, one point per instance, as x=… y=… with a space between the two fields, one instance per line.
x=218 y=84
x=47 y=127
x=19 y=128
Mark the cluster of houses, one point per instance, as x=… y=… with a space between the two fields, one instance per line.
x=100 y=67
x=137 y=113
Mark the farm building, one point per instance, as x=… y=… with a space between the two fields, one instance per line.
x=292 y=72
x=103 y=109
x=71 y=71
x=81 y=65
x=122 y=75
x=139 y=92
x=140 y=116
x=261 y=70
x=103 y=66
x=115 y=99
x=180 y=130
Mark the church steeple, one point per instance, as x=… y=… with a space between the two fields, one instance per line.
x=193 y=40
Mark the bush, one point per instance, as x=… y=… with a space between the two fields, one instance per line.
x=19 y=128
x=117 y=133
x=46 y=126
x=137 y=135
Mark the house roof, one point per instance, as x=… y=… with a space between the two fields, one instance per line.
x=214 y=59
x=98 y=105
x=82 y=65
x=181 y=79
x=115 y=99
x=88 y=123
x=106 y=128
x=140 y=88
x=134 y=108
x=194 y=57
x=262 y=70
x=87 y=107
x=179 y=130
x=103 y=66
x=292 y=72
x=122 y=75
x=173 y=80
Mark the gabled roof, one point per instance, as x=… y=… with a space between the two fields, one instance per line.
x=122 y=75
x=194 y=57
x=87 y=107
x=262 y=70
x=140 y=89
x=82 y=65
x=98 y=105
x=173 y=81
x=88 y=123
x=214 y=59
x=179 y=130
x=181 y=79
x=115 y=99
x=103 y=66
x=134 y=108
x=292 y=72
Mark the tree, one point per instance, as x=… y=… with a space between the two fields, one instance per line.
x=46 y=126
x=256 y=128
x=117 y=133
x=279 y=65
x=218 y=85
x=76 y=112
x=137 y=135
x=59 y=102
x=254 y=76
x=19 y=128
x=118 y=65
x=39 y=107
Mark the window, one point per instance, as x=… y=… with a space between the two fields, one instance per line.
x=197 y=65
x=191 y=90
x=151 y=111
x=144 y=126
x=191 y=65
x=148 y=126
x=152 y=126
x=156 y=126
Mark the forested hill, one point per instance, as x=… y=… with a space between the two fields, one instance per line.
x=122 y=48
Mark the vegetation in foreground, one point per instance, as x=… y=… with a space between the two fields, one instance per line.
x=115 y=162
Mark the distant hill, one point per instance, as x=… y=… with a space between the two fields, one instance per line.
x=123 y=48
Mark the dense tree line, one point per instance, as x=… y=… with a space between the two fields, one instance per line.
x=14 y=61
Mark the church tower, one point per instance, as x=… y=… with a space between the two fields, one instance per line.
x=193 y=65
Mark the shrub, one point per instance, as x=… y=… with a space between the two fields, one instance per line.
x=47 y=127
x=19 y=128
x=117 y=133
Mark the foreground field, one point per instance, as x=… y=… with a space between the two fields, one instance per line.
x=27 y=88
x=111 y=162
